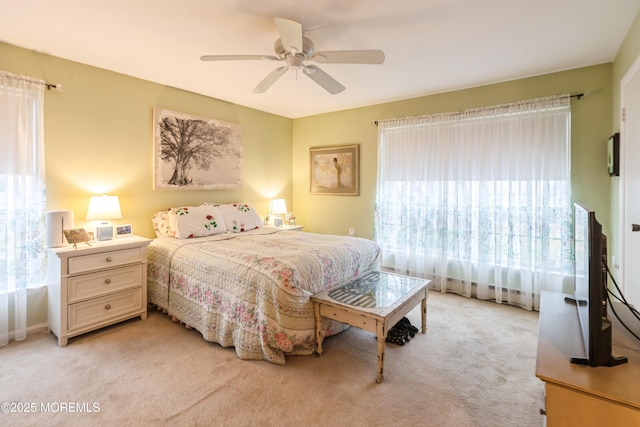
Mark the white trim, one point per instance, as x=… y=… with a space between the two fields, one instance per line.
x=31 y=289
x=33 y=329
x=633 y=70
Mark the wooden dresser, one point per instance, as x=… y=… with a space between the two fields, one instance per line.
x=95 y=286
x=578 y=395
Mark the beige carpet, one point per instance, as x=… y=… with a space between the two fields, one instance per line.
x=474 y=367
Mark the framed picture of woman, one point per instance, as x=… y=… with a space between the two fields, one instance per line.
x=335 y=170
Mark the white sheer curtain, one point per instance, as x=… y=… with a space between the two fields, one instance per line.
x=22 y=199
x=479 y=201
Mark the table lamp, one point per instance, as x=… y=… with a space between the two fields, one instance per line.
x=278 y=209
x=103 y=208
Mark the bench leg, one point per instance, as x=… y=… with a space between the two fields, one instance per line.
x=381 y=337
x=319 y=334
x=424 y=313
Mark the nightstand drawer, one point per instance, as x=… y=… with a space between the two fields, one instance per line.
x=80 y=264
x=101 y=310
x=104 y=282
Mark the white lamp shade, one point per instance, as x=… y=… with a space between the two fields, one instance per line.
x=104 y=207
x=278 y=207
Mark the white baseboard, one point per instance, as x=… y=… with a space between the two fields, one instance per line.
x=33 y=329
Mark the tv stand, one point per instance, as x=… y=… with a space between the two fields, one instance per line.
x=578 y=395
x=613 y=361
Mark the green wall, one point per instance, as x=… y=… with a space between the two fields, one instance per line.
x=98 y=138
x=591 y=127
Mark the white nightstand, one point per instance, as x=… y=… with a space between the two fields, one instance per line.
x=95 y=286
x=292 y=227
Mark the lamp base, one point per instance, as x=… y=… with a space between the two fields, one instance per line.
x=104 y=232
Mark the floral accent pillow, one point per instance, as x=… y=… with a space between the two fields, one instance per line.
x=160 y=222
x=240 y=217
x=196 y=221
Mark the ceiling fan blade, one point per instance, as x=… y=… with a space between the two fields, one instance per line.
x=290 y=34
x=349 y=57
x=271 y=78
x=330 y=84
x=239 y=57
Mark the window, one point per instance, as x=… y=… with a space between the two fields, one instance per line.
x=22 y=197
x=479 y=201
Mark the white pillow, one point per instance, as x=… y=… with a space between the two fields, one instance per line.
x=240 y=217
x=160 y=221
x=196 y=221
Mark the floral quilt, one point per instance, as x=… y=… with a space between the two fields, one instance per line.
x=252 y=290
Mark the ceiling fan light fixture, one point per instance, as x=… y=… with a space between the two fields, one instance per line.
x=299 y=49
x=295 y=62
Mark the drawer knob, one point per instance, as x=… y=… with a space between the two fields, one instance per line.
x=107 y=307
x=109 y=259
x=107 y=281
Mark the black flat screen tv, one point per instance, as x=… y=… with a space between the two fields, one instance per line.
x=590 y=292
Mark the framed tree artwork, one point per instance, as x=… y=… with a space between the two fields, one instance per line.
x=195 y=153
x=335 y=170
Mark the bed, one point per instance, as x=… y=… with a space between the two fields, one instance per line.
x=247 y=286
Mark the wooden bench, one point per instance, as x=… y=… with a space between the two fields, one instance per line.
x=374 y=302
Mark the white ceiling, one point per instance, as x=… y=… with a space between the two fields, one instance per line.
x=431 y=46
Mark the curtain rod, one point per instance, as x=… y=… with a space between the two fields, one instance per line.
x=56 y=86
x=577 y=96
x=49 y=86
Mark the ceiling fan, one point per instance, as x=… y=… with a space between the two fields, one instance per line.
x=294 y=49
